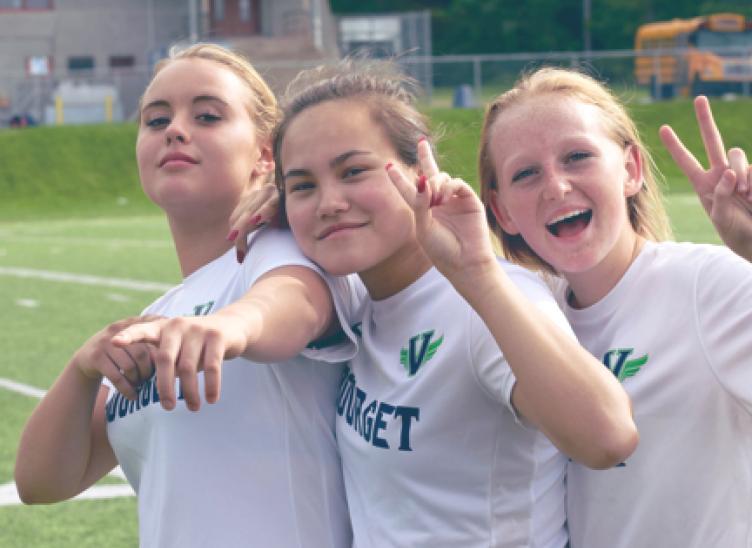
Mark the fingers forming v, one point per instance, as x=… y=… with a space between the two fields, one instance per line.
x=681 y=154
x=711 y=137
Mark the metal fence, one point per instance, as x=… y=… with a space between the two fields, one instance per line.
x=479 y=77
x=488 y=75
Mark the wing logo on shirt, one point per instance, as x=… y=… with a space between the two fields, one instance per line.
x=622 y=368
x=203 y=309
x=419 y=350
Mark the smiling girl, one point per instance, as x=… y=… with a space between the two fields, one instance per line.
x=569 y=188
x=258 y=467
x=440 y=434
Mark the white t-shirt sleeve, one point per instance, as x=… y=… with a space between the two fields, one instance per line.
x=275 y=248
x=271 y=248
x=491 y=368
x=723 y=311
x=348 y=294
x=488 y=363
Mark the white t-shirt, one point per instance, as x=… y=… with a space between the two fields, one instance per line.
x=677 y=331
x=432 y=451
x=259 y=467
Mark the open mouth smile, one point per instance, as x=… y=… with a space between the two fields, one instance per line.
x=570 y=224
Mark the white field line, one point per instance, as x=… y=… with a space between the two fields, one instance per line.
x=36 y=227
x=44 y=239
x=21 y=388
x=8 y=492
x=84 y=279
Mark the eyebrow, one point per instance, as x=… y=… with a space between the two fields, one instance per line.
x=333 y=163
x=197 y=99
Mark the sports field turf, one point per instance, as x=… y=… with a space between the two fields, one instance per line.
x=62 y=279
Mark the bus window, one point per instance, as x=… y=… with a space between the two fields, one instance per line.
x=711 y=55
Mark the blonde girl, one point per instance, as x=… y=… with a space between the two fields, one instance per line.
x=569 y=188
x=259 y=465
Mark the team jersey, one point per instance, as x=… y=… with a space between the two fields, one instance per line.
x=676 y=332
x=432 y=450
x=260 y=466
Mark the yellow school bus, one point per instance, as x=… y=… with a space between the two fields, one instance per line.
x=710 y=55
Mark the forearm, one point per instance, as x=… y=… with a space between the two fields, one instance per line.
x=561 y=388
x=55 y=453
x=280 y=316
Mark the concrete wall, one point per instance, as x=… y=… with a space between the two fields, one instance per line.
x=142 y=29
x=93 y=28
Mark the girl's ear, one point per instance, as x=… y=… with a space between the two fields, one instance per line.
x=501 y=213
x=633 y=168
x=265 y=162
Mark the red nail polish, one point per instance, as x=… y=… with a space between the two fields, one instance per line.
x=255 y=220
x=422 y=184
x=232 y=235
x=388 y=166
x=240 y=254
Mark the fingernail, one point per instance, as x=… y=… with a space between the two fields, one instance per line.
x=240 y=254
x=255 y=220
x=422 y=138
x=422 y=184
x=435 y=200
x=388 y=166
x=232 y=235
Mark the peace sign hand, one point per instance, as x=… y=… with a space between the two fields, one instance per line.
x=725 y=188
x=450 y=219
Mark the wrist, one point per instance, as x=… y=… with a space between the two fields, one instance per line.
x=239 y=328
x=475 y=282
x=85 y=374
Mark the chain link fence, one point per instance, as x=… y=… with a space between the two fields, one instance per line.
x=460 y=80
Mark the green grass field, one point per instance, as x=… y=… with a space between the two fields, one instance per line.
x=71 y=204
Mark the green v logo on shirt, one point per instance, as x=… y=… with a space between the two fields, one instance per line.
x=419 y=350
x=622 y=368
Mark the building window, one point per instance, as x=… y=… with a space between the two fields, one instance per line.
x=219 y=10
x=121 y=61
x=244 y=7
x=26 y=4
x=37 y=4
x=40 y=65
x=83 y=62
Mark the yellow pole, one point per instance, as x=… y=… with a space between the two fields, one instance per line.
x=59 y=117
x=108 y=108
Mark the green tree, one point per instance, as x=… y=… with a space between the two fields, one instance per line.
x=505 y=26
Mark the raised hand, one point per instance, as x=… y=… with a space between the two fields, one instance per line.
x=183 y=346
x=731 y=215
x=126 y=368
x=450 y=219
x=258 y=205
x=725 y=188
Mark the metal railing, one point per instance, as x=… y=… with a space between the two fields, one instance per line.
x=484 y=75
